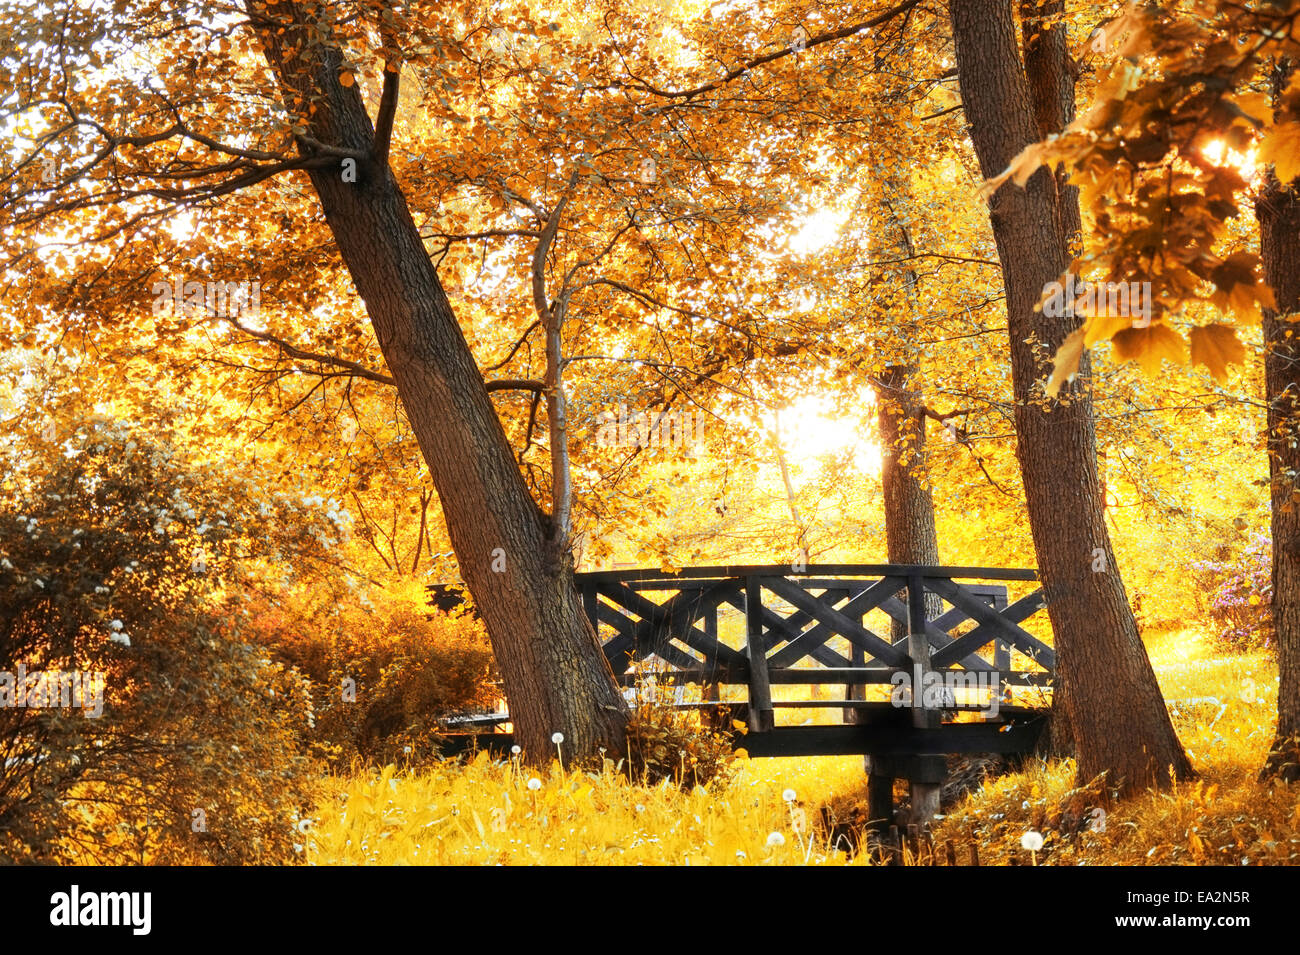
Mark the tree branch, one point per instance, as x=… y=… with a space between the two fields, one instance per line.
x=514 y=384
x=387 y=113
x=360 y=371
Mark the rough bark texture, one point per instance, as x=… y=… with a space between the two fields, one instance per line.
x=1050 y=74
x=909 y=506
x=1278 y=212
x=1117 y=715
x=555 y=674
x=1049 y=71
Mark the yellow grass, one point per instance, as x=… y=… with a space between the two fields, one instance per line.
x=484 y=813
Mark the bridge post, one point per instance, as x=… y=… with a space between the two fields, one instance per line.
x=1001 y=650
x=857 y=691
x=761 y=717
x=924 y=792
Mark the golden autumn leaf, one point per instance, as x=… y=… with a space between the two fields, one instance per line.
x=1020 y=169
x=1149 y=346
x=1065 y=363
x=1281 y=147
x=1101 y=327
x=347 y=79
x=1216 y=347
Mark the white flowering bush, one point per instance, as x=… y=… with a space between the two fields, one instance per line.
x=193 y=754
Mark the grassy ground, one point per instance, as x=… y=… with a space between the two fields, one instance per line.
x=770 y=811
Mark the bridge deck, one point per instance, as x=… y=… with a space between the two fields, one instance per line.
x=851 y=625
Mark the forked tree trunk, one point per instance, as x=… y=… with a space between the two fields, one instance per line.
x=518 y=570
x=1278 y=212
x=1118 y=717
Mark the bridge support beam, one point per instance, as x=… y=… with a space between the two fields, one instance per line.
x=924 y=792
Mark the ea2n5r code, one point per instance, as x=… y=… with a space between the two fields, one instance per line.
x=1233 y=897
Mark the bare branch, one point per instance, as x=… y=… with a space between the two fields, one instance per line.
x=360 y=371
x=387 y=112
x=515 y=384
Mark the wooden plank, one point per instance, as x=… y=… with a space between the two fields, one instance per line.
x=761 y=717
x=711 y=632
x=792 y=626
x=880 y=801
x=923 y=792
x=738 y=674
x=694 y=674
x=918 y=645
x=857 y=607
x=619 y=649
x=985 y=633
x=791 y=630
x=1021 y=639
x=865 y=705
x=843 y=625
x=848 y=740
x=674 y=618
x=772 y=620
x=591 y=605
x=938 y=638
x=855 y=691
x=1002 y=649
x=812 y=570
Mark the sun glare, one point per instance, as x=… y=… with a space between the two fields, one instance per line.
x=810 y=429
x=1218 y=152
x=818 y=231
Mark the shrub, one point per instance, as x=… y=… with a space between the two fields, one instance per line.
x=383 y=672
x=1239 y=596
x=665 y=743
x=193 y=755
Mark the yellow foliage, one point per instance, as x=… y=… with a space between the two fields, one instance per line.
x=484 y=812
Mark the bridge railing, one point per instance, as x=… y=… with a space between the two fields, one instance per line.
x=791 y=618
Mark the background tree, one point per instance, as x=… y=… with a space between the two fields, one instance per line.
x=1117 y=716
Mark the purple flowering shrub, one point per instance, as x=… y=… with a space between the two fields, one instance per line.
x=1235 y=593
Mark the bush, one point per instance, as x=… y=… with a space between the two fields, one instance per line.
x=665 y=743
x=1239 y=596
x=113 y=549
x=383 y=672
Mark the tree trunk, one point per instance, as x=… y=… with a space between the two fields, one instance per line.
x=518 y=570
x=1049 y=72
x=909 y=506
x=1278 y=212
x=1119 y=720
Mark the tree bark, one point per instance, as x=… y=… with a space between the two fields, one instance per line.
x=519 y=571
x=910 y=533
x=1049 y=71
x=1118 y=718
x=1278 y=212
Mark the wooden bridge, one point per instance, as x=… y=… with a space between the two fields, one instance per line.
x=925 y=661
